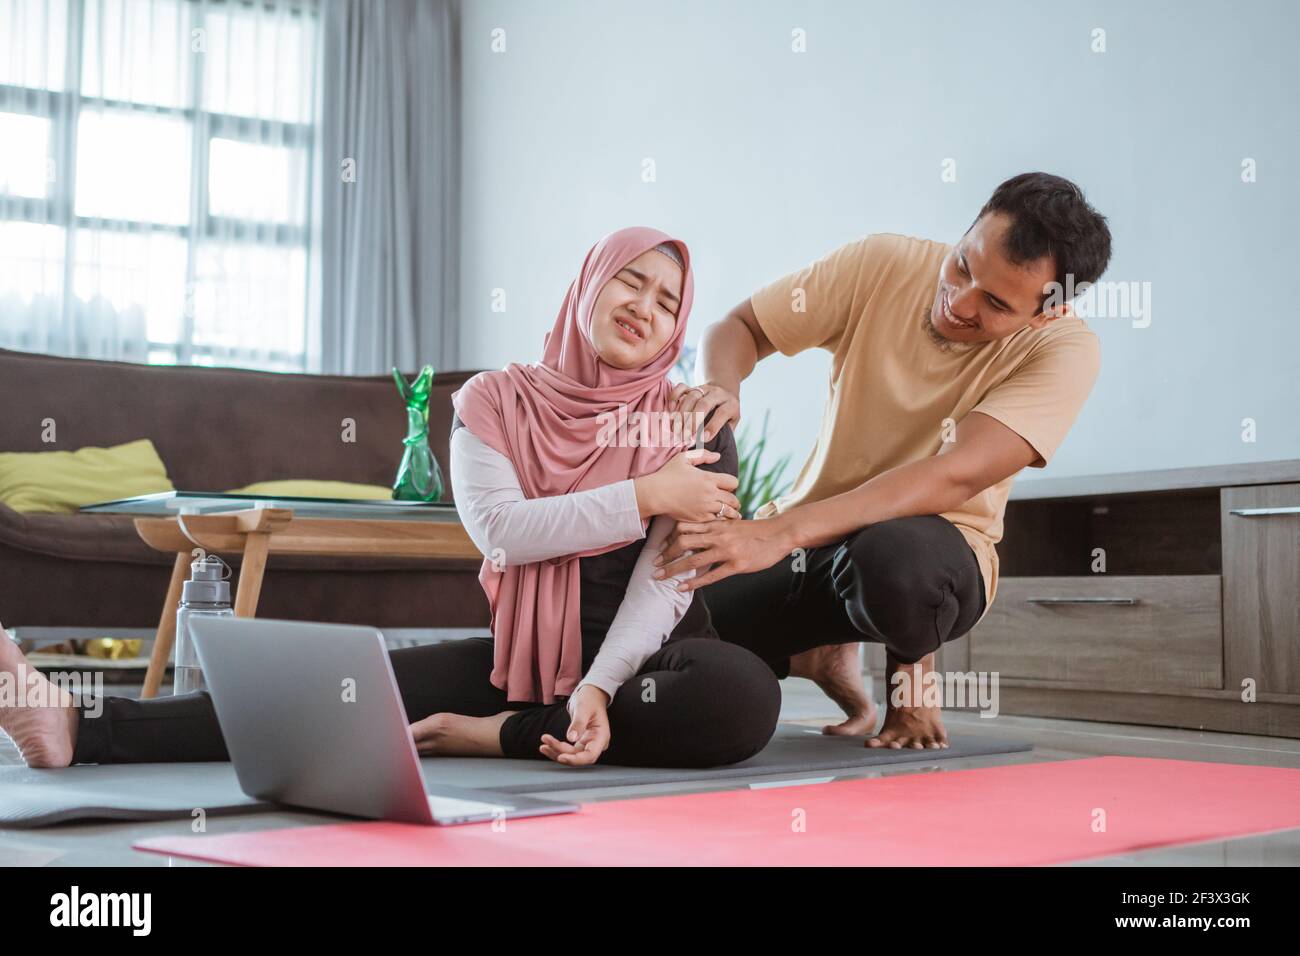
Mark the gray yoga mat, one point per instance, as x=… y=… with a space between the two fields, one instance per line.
x=793 y=749
x=33 y=798
x=142 y=791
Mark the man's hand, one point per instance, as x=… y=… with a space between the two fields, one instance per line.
x=692 y=400
x=588 y=732
x=736 y=547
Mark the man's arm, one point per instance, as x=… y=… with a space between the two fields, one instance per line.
x=809 y=308
x=983 y=453
x=729 y=350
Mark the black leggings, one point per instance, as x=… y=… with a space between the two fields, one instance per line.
x=911 y=584
x=696 y=702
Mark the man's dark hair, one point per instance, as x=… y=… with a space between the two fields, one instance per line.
x=1050 y=217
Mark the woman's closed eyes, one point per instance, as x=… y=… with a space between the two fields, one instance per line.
x=635 y=281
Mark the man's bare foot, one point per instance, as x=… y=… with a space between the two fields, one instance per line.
x=918 y=728
x=455 y=735
x=40 y=717
x=836 y=669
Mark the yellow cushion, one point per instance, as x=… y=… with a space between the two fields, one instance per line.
x=308 y=488
x=63 y=481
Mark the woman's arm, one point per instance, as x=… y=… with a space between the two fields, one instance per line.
x=650 y=609
x=649 y=612
x=512 y=529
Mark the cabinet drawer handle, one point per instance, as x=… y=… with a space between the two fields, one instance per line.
x=1265 y=512
x=1081 y=600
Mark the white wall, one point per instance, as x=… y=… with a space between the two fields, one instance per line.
x=767 y=158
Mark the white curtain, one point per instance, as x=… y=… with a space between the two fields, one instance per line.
x=155 y=179
x=390 y=178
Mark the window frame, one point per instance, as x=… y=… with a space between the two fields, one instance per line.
x=63 y=109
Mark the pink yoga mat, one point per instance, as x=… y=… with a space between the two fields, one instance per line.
x=1020 y=815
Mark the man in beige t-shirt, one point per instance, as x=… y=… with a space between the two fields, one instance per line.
x=953 y=367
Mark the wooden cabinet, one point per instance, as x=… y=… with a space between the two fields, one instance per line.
x=1133 y=633
x=1149 y=598
x=1261 y=574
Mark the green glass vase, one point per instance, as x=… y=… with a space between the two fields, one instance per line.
x=418 y=477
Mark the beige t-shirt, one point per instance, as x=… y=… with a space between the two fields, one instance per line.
x=894 y=393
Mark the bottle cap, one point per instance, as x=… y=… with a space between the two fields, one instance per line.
x=209 y=582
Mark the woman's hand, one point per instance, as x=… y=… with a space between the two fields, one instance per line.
x=682 y=490
x=588 y=732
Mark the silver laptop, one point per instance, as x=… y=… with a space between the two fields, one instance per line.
x=312 y=718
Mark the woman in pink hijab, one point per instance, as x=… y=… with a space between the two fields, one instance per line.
x=569 y=474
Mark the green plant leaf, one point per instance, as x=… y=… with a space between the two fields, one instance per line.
x=758 y=484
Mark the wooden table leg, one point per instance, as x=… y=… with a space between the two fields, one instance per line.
x=165 y=637
x=256 y=545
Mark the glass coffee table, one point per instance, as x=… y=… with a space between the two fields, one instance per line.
x=210 y=502
x=190 y=524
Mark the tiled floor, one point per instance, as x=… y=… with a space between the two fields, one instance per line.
x=109 y=844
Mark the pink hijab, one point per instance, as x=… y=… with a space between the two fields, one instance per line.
x=545 y=419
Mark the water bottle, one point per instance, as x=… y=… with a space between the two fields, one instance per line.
x=207 y=594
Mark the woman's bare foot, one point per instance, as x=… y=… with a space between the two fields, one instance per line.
x=836 y=669
x=455 y=735
x=40 y=717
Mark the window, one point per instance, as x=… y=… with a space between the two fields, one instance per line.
x=155 y=174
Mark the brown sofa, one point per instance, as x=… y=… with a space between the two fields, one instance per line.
x=216 y=429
